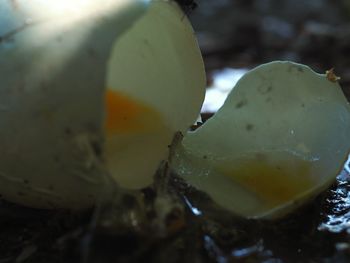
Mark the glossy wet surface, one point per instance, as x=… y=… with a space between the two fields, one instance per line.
x=176 y=223
x=319 y=232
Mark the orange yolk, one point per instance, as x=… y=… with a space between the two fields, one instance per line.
x=125 y=115
x=274 y=184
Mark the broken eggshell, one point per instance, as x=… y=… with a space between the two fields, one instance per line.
x=280 y=139
x=156 y=86
x=53 y=57
x=56 y=62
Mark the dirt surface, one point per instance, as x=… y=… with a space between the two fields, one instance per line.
x=192 y=229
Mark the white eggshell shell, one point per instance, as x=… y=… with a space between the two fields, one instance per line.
x=275 y=109
x=158 y=63
x=53 y=58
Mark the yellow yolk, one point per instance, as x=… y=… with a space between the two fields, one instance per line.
x=273 y=183
x=125 y=115
x=136 y=140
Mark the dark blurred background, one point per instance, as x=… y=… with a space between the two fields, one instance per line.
x=236 y=35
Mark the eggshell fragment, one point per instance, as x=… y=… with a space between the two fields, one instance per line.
x=53 y=59
x=280 y=138
x=56 y=60
x=156 y=71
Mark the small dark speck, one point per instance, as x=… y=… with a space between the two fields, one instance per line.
x=51 y=204
x=10 y=35
x=295 y=67
x=68 y=131
x=264 y=90
x=44 y=87
x=92 y=52
x=26 y=181
x=59 y=39
x=20 y=88
x=303 y=105
x=295 y=202
x=249 y=127
x=20 y=193
x=205 y=157
x=129 y=201
x=145 y=41
x=240 y=104
x=96 y=147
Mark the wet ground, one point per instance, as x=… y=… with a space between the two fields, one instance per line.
x=175 y=223
x=190 y=229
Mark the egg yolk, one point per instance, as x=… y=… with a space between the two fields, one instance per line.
x=126 y=115
x=273 y=183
